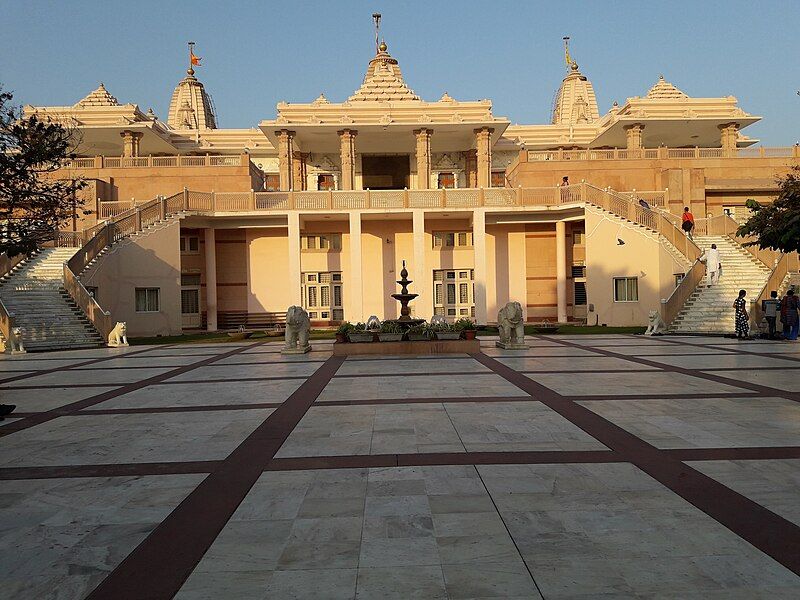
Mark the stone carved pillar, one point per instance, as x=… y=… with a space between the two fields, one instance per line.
x=729 y=132
x=423 y=158
x=285 y=154
x=471 y=168
x=561 y=271
x=299 y=171
x=633 y=136
x=130 y=142
x=483 y=145
x=347 y=151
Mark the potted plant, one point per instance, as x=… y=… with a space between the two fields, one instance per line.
x=467 y=328
x=418 y=333
x=390 y=332
x=359 y=334
x=445 y=331
x=341 y=333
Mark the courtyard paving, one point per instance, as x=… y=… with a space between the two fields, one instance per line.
x=582 y=467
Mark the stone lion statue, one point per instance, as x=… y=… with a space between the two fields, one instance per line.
x=511 y=325
x=14 y=343
x=297 y=327
x=118 y=335
x=655 y=325
x=373 y=323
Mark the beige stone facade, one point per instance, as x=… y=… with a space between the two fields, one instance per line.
x=320 y=205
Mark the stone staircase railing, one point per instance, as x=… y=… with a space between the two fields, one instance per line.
x=7 y=264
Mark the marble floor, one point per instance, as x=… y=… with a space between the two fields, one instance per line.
x=583 y=467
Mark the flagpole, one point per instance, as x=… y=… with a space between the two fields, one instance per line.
x=191 y=51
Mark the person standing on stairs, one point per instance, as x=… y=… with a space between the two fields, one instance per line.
x=713 y=265
x=742 y=319
x=687 y=222
x=789 y=317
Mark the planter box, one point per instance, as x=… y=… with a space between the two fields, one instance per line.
x=240 y=335
x=390 y=337
x=359 y=338
x=418 y=337
x=448 y=335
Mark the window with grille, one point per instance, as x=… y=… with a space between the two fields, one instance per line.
x=626 y=289
x=498 y=178
x=190 y=302
x=453 y=293
x=578 y=271
x=189 y=244
x=147 y=299
x=578 y=238
x=322 y=295
x=452 y=239
x=322 y=241
x=580 y=293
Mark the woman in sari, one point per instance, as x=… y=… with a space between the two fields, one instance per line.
x=742 y=319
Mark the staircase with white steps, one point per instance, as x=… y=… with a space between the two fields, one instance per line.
x=34 y=294
x=710 y=309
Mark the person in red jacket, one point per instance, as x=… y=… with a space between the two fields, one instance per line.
x=688 y=222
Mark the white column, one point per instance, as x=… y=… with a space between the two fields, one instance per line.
x=353 y=287
x=420 y=274
x=479 y=246
x=293 y=221
x=209 y=240
x=561 y=270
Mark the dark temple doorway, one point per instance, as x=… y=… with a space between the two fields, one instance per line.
x=385 y=172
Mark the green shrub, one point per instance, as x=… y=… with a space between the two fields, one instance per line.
x=391 y=327
x=464 y=324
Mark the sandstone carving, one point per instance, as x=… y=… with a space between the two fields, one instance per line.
x=118 y=335
x=14 y=344
x=511 y=325
x=656 y=325
x=297 y=327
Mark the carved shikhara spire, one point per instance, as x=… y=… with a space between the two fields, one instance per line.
x=575 y=101
x=98 y=97
x=383 y=81
x=191 y=107
x=664 y=90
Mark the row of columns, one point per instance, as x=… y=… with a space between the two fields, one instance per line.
x=420 y=270
x=729 y=133
x=292 y=164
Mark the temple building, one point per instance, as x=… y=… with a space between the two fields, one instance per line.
x=213 y=228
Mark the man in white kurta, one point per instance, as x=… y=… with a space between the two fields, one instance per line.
x=713 y=264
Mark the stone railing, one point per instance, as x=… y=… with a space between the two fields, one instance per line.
x=674 y=304
x=128 y=162
x=7 y=264
x=663 y=153
x=785 y=265
x=725 y=225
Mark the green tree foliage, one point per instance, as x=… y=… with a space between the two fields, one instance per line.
x=777 y=225
x=33 y=204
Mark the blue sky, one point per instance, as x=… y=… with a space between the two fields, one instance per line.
x=256 y=54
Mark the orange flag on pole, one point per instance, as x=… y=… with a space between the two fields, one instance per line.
x=195 y=59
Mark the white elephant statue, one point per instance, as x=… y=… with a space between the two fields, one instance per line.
x=118 y=335
x=298 y=326
x=511 y=326
x=655 y=325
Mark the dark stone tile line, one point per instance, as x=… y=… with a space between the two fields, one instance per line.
x=758 y=389
x=173 y=549
x=772 y=534
x=79 y=364
x=730 y=348
x=366 y=461
x=73 y=407
x=384 y=401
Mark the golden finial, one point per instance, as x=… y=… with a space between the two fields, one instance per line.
x=383 y=47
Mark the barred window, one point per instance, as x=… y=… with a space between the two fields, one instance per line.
x=147 y=299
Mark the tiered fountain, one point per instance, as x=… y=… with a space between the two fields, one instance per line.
x=404 y=298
